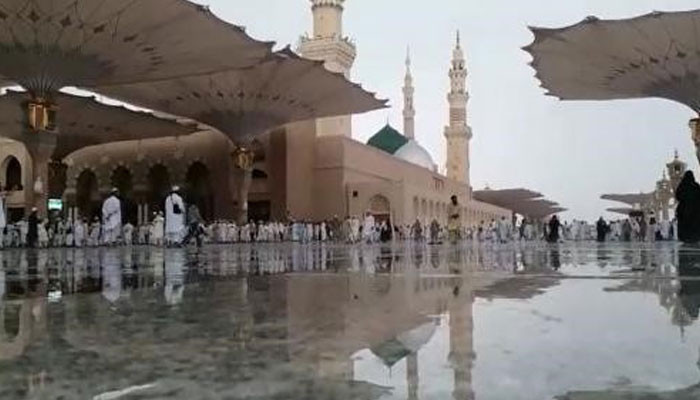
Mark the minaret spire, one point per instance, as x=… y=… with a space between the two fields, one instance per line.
x=458 y=132
x=328 y=43
x=409 y=112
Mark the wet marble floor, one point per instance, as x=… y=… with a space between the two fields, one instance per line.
x=568 y=322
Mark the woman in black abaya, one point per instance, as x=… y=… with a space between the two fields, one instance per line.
x=688 y=210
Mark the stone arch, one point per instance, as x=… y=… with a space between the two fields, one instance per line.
x=158 y=185
x=12 y=173
x=88 y=194
x=122 y=180
x=198 y=189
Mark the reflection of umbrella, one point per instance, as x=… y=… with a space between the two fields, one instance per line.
x=654 y=55
x=417 y=337
x=394 y=350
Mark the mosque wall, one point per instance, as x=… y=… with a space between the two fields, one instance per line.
x=350 y=174
x=300 y=160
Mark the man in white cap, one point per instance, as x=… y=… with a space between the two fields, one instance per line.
x=111 y=218
x=174 y=218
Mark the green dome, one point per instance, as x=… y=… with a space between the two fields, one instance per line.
x=387 y=139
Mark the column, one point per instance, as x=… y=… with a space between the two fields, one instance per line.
x=242 y=179
x=40 y=146
x=412 y=376
x=461 y=340
x=139 y=214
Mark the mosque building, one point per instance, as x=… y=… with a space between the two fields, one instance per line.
x=311 y=170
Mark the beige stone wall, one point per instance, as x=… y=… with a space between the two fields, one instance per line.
x=348 y=174
x=299 y=142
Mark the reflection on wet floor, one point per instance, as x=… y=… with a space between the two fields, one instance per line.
x=579 y=321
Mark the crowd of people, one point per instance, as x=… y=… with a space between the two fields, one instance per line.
x=180 y=224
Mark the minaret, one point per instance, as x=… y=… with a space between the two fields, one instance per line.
x=329 y=45
x=458 y=132
x=409 y=112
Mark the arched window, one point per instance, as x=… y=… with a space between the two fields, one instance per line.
x=13 y=174
x=259 y=174
x=122 y=180
x=199 y=189
x=379 y=205
x=158 y=187
x=88 y=197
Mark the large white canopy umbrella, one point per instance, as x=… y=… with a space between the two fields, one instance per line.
x=244 y=103
x=46 y=45
x=247 y=102
x=653 y=55
x=86 y=122
x=49 y=44
x=632 y=199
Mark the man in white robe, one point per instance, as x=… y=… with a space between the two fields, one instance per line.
x=368 y=228
x=111 y=219
x=79 y=232
x=174 y=218
x=128 y=234
x=157 y=230
x=3 y=219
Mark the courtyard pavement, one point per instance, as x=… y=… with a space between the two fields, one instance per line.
x=574 y=321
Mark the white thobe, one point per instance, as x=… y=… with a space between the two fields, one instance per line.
x=128 y=234
x=111 y=219
x=368 y=228
x=79 y=234
x=3 y=221
x=174 y=223
x=157 y=230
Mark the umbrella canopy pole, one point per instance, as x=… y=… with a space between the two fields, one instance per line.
x=40 y=146
x=243 y=157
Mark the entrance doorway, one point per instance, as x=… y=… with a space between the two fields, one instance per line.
x=199 y=190
x=88 y=196
x=380 y=208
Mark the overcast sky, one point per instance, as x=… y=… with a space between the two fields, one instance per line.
x=571 y=151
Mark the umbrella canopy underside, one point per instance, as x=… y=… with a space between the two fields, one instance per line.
x=653 y=55
x=49 y=44
x=83 y=122
x=246 y=102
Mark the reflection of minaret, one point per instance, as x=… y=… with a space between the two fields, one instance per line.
x=329 y=45
x=461 y=341
x=409 y=112
x=458 y=132
x=412 y=375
